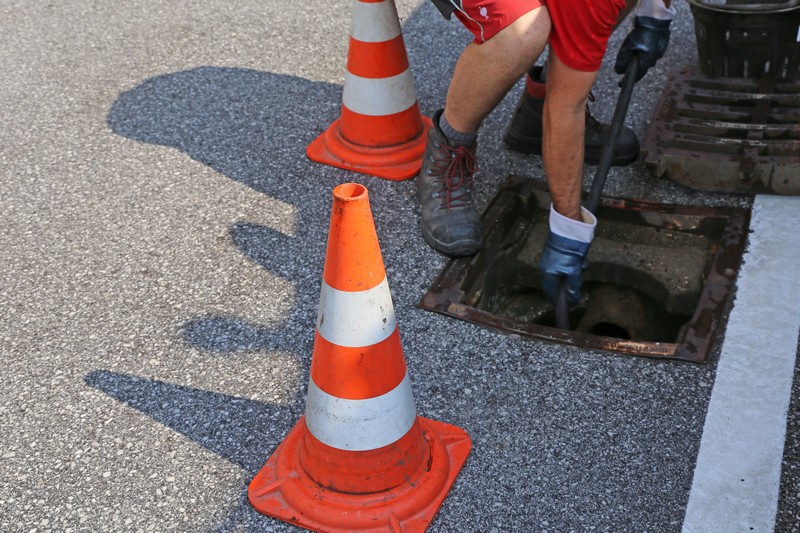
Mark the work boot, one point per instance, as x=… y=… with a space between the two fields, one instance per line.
x=524 y=132
x=450 y=223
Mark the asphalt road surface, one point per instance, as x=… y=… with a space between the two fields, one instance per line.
x=163 y=238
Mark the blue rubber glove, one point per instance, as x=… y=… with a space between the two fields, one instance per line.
x=564 y=254
x=648 y=39
x=563 y=258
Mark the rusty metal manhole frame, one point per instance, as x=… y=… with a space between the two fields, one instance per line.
x=445 y=295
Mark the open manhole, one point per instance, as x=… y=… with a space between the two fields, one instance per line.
x=657 y=284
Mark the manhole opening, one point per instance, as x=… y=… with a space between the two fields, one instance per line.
x=607 y=329
x=657 y=282
x=606 y=310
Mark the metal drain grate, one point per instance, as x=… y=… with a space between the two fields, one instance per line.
x=726 y=134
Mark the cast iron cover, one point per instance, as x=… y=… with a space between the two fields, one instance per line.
x=731 y=135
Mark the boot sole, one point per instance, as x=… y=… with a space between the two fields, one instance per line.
x=456 y=249
x=534 y=147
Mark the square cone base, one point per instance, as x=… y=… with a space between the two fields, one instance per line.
x=283 y=490
x=397 y=163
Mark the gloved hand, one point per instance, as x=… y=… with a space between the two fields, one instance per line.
x=563 y=258
x=648 y=39
x=564 y=254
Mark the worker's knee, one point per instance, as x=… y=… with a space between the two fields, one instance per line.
x=521 y=42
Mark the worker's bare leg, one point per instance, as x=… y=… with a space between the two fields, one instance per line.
x=483 y=75
x=485 y=72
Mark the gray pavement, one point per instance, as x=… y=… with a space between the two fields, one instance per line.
x=163 y=239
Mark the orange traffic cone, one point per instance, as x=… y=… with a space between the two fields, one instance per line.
x=381 y=131
x=361 y=459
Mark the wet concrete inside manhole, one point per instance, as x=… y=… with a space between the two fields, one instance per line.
x=657 y=280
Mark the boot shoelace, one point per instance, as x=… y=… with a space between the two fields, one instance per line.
x=456 y=171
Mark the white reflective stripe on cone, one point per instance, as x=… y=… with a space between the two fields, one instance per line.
x=360 y=425
x=355 y=319
x=374 y=22
x=379 y=97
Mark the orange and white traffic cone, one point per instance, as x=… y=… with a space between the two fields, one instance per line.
x=380 y=131
x=361 y=459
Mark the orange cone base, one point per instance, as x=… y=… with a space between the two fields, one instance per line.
x=283 y=490
x=398 y=162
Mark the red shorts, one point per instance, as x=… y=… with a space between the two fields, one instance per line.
x=484 y=18
x=581 y=28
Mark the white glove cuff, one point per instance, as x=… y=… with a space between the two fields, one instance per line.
x=573 y=229
x=655 y=9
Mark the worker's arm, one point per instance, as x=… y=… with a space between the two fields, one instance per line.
x=571 y=226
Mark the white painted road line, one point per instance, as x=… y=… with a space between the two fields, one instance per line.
x=737 y=478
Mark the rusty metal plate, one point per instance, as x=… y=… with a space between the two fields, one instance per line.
x=462 y=288
x=731 y=135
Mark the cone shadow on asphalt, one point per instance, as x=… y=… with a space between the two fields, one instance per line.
x=227 y=335
x=277 y=253
x=236 y=429
x=248 y=125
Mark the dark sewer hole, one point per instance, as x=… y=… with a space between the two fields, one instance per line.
x=605 y=310
x=607 y=329
x=601 y=329
x=657 y=275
